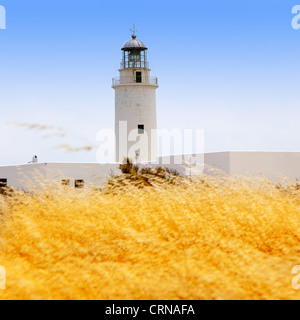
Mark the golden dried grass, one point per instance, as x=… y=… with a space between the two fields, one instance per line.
x=232 y=238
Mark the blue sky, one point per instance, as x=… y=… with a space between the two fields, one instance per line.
x=228 y=67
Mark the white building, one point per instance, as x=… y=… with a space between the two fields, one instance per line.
x=135 y=105
x=272 y=165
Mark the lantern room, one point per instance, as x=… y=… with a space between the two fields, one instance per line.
x=134 y=54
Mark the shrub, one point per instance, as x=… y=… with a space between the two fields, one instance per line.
x=128 y=167
x=172 y=172
x=147 y=170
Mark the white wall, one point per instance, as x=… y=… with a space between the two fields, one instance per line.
x=91 y=173
x=217 y=160
x=31 y=176
x=273 y=165
x=270 y=164
x=20 y=177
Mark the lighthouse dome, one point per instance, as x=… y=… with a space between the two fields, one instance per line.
x=134 y=44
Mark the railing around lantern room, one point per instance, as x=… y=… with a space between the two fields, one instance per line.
x=134 y=64
x=133 y=80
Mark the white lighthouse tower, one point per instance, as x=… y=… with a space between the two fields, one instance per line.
x=135 y=105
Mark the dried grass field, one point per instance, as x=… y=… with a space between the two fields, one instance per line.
x=229 y=238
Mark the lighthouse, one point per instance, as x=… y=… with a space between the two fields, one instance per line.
x=135 y=105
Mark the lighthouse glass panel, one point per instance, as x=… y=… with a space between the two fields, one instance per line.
x=134 y=59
